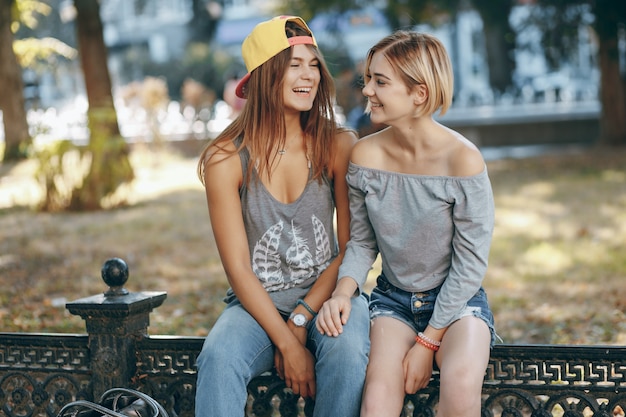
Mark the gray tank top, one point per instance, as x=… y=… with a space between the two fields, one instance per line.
x=290 y=244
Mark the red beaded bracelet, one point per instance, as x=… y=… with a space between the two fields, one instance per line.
x=428 y=339
x=427 y=344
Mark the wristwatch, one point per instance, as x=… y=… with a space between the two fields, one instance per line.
x=298 y=319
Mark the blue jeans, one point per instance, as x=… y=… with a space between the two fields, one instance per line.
x=237 y=349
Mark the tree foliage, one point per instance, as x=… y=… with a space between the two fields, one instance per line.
x=403 y=14
x=307 y=9
x=28 y=13
x=33 y=52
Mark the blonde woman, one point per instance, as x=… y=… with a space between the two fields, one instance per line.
x=421 y=197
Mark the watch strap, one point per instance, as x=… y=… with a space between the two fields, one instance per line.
x=308 y=308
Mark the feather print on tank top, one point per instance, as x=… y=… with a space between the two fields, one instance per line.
x=298 y=256
x=323 y=251
x=266 y=261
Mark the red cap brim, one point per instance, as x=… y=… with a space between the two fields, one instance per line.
x=241 y=85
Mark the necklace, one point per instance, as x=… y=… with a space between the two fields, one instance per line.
x=287 y=144
x=283 y=151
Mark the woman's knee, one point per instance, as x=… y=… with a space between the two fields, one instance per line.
x=379 y=399
x=460 y=391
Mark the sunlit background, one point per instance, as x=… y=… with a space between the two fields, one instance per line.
x=171 y=61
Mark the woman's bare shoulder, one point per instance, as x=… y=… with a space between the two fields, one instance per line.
x=346 y=138
x=218 y=151
x=465 y=159
x=221 y=160
x=368 y=148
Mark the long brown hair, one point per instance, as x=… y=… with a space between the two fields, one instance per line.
x=262 y=126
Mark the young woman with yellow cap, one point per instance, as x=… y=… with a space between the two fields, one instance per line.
x=274 y=180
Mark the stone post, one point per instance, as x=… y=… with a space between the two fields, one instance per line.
x=116 y=320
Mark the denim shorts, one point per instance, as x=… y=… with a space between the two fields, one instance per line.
x=416 y=308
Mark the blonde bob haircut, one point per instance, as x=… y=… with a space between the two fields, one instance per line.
x=419 y=59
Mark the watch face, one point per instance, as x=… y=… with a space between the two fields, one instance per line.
x=299 y=320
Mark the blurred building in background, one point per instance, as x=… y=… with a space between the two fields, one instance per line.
x=159 y=25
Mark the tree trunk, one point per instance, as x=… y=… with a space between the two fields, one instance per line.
x=93 y=54
x=110 y=166
x=499 y=61
x=613 y=102
x=499 y=41
x=16 y=137
x=609 y=15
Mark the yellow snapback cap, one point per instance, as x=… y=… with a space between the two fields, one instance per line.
x=267 y=40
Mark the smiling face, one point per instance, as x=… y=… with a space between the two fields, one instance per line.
x=389 y=99
x=301 y=79
x=412 y=65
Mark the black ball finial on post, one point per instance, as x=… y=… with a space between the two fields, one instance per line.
x=115 y=320
x=115 y=274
